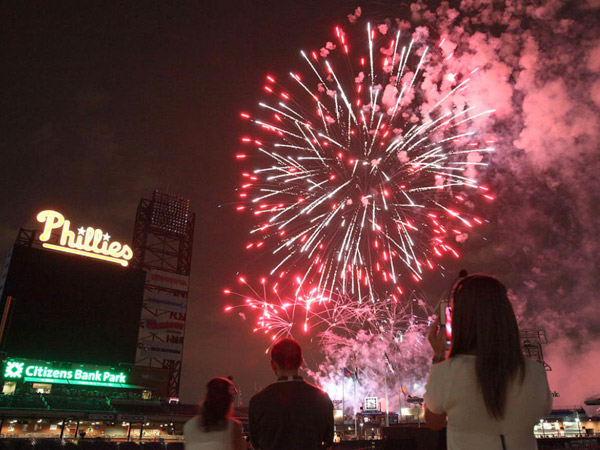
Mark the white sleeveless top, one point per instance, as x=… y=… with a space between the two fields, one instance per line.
x=198 y=439
x=453 y=390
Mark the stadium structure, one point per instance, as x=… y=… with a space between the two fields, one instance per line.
x=92 y=329
x=92 y=334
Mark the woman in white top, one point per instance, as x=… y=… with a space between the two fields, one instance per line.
x=214 y=428
x=490 y=394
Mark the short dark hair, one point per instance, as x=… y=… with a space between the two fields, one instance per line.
x=287 y=354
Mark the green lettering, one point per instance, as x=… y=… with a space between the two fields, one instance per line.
x=87 y=377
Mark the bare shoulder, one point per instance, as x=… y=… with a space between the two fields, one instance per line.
x=535 y=369
x=236 y=433
x=192 y=423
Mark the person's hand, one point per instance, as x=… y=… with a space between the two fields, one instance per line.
x=437 y=338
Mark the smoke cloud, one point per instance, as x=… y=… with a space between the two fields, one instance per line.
x=390 y=351
x=537 y=64
x=540 y=70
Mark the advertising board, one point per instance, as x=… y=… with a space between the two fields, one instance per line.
x=161 y=350
x=160 y=278
x=89 y=242
x=66 y=308
x=158 y=325
x=164 y=301
x=32 y=371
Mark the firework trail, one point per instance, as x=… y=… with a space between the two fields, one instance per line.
x=354 y=337
x=356 y=180
x=364 y=172
x=328 y=315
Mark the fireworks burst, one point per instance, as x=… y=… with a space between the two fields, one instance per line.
x=350 y=334
x=363 y=176
x=331 y=316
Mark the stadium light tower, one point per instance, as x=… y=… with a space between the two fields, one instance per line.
x=162 y=246
x=531 y=345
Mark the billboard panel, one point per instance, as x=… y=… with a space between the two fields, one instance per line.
x=165 y=301
x=160 y=278
x=161 y=350
x=33 y=371
x=154 y=378
x=69 y=308
x=162 y=325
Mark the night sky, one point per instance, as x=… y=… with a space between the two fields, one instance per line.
x=102 y=105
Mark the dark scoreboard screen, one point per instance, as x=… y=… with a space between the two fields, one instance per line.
x=71 y=308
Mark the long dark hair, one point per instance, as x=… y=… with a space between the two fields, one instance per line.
x=217 y=404
x=484 y=325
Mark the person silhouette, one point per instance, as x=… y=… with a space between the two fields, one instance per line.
x=290 y=414
x=215 y=428
x=490 y=395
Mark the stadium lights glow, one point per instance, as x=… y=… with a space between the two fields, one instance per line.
x=89 y=242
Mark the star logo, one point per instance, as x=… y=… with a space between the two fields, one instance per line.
x=81 y=231
x=13 y=369
x=106 y=237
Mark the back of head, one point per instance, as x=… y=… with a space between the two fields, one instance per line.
x=217 y=404
x=287 y=354
x=484 y=324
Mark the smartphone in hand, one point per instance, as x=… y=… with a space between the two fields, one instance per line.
x=445 y=321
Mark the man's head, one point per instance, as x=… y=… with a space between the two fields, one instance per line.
x=286 y=357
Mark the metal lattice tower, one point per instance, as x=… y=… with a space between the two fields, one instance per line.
x=162 y=245
x=531 y=344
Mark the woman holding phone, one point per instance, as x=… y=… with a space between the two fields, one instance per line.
x=489 y=394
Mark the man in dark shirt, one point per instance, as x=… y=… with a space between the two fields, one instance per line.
x=290 y=414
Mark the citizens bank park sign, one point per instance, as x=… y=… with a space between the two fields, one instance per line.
x=27 y=370
x=88 y=241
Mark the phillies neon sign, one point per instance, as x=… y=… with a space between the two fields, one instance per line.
x=89 y=242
